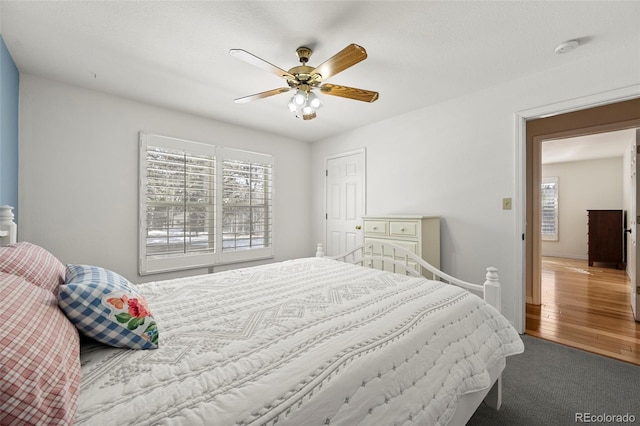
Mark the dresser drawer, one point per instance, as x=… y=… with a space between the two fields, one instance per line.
x=376 y=227
x=409 y=245
x=403 y=229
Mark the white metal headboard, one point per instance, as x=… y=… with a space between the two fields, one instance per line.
x=8 y=228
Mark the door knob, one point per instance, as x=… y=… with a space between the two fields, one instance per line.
x=628 y=230
x=358 y=227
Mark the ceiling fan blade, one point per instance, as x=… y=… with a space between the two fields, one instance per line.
x=342 y=60
x=349 y=92
x=261 y=63
x=261 y=95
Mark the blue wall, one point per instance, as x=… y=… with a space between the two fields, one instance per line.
x=9 y=84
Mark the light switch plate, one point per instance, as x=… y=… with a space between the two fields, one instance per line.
x=506 y=204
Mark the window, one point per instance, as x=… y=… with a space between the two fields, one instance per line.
x=549 y=195
x=246 y=205
x=202 y=205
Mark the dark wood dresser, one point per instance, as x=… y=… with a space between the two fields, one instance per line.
x=606 y=237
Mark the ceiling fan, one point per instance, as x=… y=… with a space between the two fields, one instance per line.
x=304 y=78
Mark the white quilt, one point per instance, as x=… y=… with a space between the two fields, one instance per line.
x=303 y=342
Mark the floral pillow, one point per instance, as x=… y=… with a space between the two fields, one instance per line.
x=107 y=307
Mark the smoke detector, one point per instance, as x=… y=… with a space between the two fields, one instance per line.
x=566 y=47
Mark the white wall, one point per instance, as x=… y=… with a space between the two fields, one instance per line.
x=457 y=159
x=582 y=186
x=78 y=175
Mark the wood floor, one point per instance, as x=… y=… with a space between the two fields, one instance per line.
x=587 y=308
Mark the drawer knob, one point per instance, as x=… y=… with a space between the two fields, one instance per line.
x=401 y=229
x=358 y=227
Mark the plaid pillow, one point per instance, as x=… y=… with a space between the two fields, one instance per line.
x=34 y=264
x=107 y=307
x=39 y=357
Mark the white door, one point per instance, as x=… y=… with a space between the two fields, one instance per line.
x=345 y=183
x=633 y=253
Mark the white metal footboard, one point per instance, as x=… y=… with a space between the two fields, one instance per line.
x=394 y=258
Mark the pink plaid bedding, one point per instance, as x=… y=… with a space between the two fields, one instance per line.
x=34 y=264
x=39 y=356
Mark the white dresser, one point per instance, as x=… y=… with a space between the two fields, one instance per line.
x=418 y=234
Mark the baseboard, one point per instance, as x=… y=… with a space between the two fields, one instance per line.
x=566 y=255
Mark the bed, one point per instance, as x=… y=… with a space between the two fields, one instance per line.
x=360 y=339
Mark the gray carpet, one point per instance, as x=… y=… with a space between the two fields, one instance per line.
x=549 y=383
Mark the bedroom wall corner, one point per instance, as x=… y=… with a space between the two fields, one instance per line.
x=9 y=94
x=457 y=159
x=582 y=185
x=79 y=174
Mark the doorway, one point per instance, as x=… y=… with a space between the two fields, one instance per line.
x=345 y=201
x=617 y=116
x=579 y=174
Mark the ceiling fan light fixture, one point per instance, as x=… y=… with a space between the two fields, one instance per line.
x=303 y=78
x=313 y=101
x=309 y=116
x=299 y=98
x=304 y=104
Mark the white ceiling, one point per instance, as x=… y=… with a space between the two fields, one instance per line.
x=175 y=53
x=590 y=147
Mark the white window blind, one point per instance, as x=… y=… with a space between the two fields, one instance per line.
x=247 y=180
x=185 y=187
x=179 y=202
x=549 y=202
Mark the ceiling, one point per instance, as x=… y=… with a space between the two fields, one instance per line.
x=590 y=147
x=175 y=53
